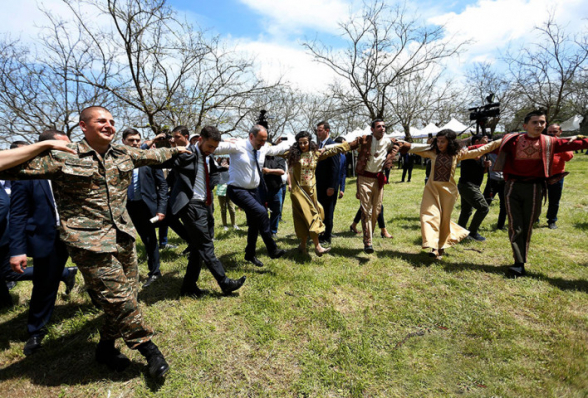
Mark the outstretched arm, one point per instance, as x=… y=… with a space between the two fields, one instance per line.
x=13 y=157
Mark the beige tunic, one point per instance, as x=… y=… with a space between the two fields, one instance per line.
x=440 y=195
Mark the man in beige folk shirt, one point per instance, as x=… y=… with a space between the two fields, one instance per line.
x=376 y=153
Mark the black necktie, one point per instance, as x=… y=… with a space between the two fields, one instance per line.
x=261 y=180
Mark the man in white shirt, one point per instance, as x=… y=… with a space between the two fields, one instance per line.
x=247 y=157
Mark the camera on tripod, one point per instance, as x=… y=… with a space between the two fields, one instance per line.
x=481 y=114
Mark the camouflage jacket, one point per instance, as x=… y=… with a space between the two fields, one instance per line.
x=91 y=190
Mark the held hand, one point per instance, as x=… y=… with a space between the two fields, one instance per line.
x=183 y=149
x=341 y=193
x=487 y=163
x=265 y=170
x=464 y=150
x=161 y=216
x=18 y=263
x=58 y=145
x=330 y=191
x=278 y=141
x=357 y=195
x=289 y=187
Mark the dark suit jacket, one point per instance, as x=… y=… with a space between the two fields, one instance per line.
x=327 y=172
x=4 y=210
x=32 y=219
x=185 y=169
x=153 y=190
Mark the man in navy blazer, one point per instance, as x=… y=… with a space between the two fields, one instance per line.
x=147 y=199
x=33 y=227
x=327 y=180
x=191 y=199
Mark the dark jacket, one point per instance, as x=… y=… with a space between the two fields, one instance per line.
x=153 y=190
x=4 y=211
x=185 y=169
x=327 y=171
x=33 y=228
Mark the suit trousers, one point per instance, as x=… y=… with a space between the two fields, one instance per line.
x=196 y=218
x=48 y=272
x=328 y=203
x=257 y=219
x=139 y=213
x=523 y=206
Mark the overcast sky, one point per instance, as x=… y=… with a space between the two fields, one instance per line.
x=274 y=29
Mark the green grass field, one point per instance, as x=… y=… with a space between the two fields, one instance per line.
x=390 y=324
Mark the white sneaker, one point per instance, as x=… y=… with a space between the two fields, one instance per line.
x=236 y=227
x=226 y=228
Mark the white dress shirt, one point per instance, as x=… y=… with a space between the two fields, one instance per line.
x=243 y=171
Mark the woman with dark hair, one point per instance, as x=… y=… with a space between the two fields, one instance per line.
x=440 y=194
x=307 y=213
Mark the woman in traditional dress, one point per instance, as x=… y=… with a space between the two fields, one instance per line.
x=441 y=193
x=307 y=212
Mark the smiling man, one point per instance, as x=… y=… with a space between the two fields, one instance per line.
x=526 y=160
x=90 y=188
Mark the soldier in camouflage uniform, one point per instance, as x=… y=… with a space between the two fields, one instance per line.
x=90 y=189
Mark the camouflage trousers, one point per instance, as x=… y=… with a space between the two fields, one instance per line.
x=112 y=279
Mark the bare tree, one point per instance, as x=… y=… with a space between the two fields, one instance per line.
x=543 y=72
x=385 y=45
x=424 y=97
x=36 y=91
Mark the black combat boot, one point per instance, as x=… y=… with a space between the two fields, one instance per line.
x=156 y=363
x=107 y=354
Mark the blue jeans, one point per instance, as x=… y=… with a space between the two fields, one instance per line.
x=274 y=204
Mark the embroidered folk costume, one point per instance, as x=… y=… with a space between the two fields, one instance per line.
x=307 y=213
x=440 y=195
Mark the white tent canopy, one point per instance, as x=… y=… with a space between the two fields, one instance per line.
x=456 y=126
x=572 y=124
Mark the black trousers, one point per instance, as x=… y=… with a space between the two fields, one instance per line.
x=523 y=205
x=472 y=198
x=46 y=274
x=328 y=203
x=196 y=219
x=257 y=219
x=140 y=215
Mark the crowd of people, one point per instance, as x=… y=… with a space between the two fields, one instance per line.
x=88 y=200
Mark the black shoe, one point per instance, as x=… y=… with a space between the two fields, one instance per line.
x=552 y=225
x=32 y=345
x=230 y=285
x=517 y=270
x=70 y=281
x=193 y=292
x=110 y=356
x=167 y=246
x=277 y=254
x=255 y=261
x=477 y=237
x=156 y=363
x=368 y=249
x=10 y=285
x=150 y=280
x=325 y=241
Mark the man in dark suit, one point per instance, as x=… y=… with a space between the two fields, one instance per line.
x=147 y=201
x=33 y=232
x=191 y=199
x=327 y=180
